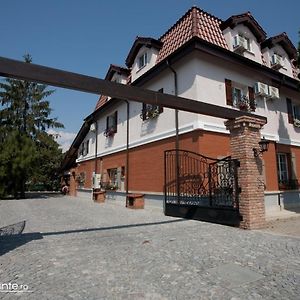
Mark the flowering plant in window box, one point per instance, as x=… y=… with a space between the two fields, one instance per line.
x=153 y=113
x=150 y=113
x=109 y=132
x=297 y=123
x=243 y=104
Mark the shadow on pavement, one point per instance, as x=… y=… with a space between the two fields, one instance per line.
x=112 y=227
x=11 y=242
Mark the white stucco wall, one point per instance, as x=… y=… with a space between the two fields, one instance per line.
x=200 y=77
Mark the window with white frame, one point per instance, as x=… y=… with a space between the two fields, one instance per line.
x=237 y=94
x=296 y=112
x=87 y=147
x=282 y=165
x=111 y=124
x=247 y=43
x=142 y=60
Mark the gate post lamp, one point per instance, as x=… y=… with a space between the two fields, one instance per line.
x=263 y=147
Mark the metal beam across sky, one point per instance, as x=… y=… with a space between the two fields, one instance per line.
x=64 y=79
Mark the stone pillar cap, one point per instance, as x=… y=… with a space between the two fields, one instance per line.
x=245 y=121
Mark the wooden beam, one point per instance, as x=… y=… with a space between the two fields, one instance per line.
x=59 y=78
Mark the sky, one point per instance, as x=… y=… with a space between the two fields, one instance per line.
x=87 y=36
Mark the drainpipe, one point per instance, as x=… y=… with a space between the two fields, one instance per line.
x=96 y=144
x=177 y=134
x=127 y=151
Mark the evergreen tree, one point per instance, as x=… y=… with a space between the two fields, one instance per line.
x=17 y=163
x=51 y=155
x=24 y=144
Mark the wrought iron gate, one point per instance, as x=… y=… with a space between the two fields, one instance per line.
x=201 y=188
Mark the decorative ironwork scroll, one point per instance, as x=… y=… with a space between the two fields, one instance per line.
x=200 y=180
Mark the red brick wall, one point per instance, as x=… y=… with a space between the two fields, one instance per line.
x=146 y=163
x=88 y=167
x=270 y=163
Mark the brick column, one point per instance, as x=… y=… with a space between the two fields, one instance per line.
x=244 y=136
x=72 y=187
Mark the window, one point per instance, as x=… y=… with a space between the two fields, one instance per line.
x=80 y=180
x=142 y=60
x=123 y=173
x=293 y=112
x=243 y=99
x=296 y=112
x=150 y=111
x=286 y=166
x=282 y=164
x=240 y=96
x=236 y=96
x=247 y=43
x=80 y=150
x=111 y=124
x=112 y=183
x=87 y=147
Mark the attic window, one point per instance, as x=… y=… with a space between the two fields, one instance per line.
x=142 y=60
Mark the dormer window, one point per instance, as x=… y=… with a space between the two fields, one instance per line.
x=142 y=60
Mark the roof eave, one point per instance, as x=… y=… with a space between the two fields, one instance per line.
x=199 y=44
x=249 y=21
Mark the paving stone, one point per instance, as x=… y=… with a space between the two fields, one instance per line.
x=74 y=249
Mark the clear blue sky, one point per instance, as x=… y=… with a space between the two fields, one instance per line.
x=86 y=36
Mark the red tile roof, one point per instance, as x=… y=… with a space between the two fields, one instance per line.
x=194 y=23
x=101 y=101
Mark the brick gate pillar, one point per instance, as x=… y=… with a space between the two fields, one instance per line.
x=244 y=136
x=72 y=187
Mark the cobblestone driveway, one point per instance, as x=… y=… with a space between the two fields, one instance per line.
x=74 y=249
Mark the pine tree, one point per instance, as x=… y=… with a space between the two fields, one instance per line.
x=24 y=119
